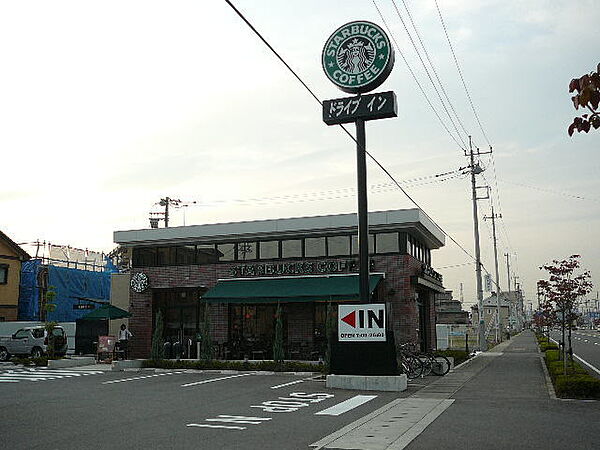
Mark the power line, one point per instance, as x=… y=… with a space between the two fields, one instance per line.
x=427 y=70
x=415 y=77
x=335 y=193
x=550 y=191
x=347 y=132
x=460 y=73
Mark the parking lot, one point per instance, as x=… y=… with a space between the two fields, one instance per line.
x=87 y=408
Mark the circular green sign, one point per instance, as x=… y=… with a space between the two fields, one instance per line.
x=358 y=57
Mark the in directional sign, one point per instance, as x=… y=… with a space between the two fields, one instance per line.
x=365 y=107
x=361 y=323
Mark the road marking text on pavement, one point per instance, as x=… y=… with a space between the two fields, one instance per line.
x=230 y=419
x=122 y=380
x=346 y=406
x=215 y=379
x=293 y=402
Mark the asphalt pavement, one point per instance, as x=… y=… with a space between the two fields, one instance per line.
x=95 y=409
x=507 y=405
x=499 y=399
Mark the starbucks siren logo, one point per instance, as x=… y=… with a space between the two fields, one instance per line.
x=358 y=57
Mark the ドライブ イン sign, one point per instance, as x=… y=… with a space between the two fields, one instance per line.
x=361 y=322
x=358 y=57
x=366 y=107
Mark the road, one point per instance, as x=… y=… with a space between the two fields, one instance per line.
x=75 y=409
x=586 y=345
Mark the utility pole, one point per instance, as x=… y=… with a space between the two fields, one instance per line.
x=494 y=217
x=476 y=170
x=166 y=202
x=508 y=269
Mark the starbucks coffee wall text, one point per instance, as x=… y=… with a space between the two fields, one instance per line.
x=297 y=268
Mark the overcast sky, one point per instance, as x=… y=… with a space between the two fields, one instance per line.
x=107 y=107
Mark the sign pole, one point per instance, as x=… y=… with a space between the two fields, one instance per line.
x=363 y=222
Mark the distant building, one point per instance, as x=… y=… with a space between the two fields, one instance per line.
x=449 y=310
x=511 y=312
x=11 y=258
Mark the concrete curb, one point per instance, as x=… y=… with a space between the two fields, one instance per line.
x=70 y=362
x=393 y=383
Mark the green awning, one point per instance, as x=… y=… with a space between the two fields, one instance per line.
x=107 y=312
x=286 y=290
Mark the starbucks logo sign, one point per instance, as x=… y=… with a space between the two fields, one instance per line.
x=358 y=57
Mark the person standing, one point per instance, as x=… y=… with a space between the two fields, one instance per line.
x=124 y=335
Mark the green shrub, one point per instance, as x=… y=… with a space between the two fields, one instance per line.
x=577 y=386
x=27 y=361
x=271 y=366
x=545 y=346
x=552 y=355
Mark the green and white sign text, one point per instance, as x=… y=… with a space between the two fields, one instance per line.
x=358 y=57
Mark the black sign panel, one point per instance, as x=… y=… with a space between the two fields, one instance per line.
x=367 y=107
x=84 y=306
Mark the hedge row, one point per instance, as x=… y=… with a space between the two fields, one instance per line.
x=271 y=366
x=27 y=361
x=578 y=383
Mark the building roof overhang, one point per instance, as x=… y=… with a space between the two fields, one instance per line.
x=413 y=221
x=22 y=254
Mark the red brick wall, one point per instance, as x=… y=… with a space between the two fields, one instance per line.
x=396 y=289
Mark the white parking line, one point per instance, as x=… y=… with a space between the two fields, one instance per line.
x=215 y=379
x=202 y=425
x=346 y=406
x=287 y=384
x=122 y=380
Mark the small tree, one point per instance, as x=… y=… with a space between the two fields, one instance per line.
x=563 y=288
x=49 y=325
x=588 y=96
x=278 y=353
x=329 y=332
x=158 y=345
x=206 y=347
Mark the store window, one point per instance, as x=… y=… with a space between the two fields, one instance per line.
x=144 y=257
x=387 y=243
x=291 y=248
x=314 y=247
x=186 y=254
x=165 y=256
x=226 y=252
x=355 y=244
x=206 y=254
x=338 y=245
x=269 y=249
x=246 y=251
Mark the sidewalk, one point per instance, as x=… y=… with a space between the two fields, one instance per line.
x=497 y=400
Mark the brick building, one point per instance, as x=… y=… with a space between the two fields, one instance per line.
x=241 y=271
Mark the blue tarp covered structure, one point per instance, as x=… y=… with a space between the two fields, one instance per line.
x=29 y=293
x=72 y=283
x=69 y=284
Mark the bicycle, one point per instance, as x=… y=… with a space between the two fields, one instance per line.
x=440 y=365
x=411 y=365
x=429 y=362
